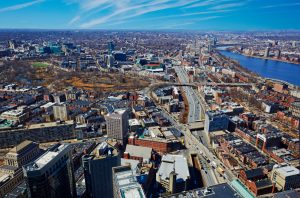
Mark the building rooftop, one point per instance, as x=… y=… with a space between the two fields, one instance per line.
x=104 y=149
x=128 y=185
x=15 y=112
x=47 y=105
x=46 y=158
x=217 y=191
x=253 y=173
x=6 y=123
x=8 y=167
x=155 y=131
x=287 y=170
x=17 y=192
x=50 y=124
x=120 y=111
x=212 y=114
x=263 y=183
x=241 y=189
x=133 y=122
x=296 y=104
x=20 y=146
x=288 y=194
x=130 y=162
x=176 y=163
x=139 y=151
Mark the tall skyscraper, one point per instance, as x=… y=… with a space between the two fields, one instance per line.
x=12 y=44
x=51 y=175
x=277 y=53
x=110 y=47
x=267 y=52
x=215 y=41
x=110 y=61
x=209 y=48
x=98 y=170
x=117 y=124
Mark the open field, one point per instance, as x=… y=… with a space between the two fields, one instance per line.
x=39 y=65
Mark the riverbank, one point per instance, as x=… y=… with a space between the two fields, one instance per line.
x=272 y=69
x=266 y=58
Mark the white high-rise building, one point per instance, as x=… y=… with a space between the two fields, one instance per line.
x=117 y=124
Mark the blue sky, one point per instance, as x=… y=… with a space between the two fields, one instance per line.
x=151 y=14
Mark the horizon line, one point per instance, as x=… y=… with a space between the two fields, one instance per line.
x=157 y=30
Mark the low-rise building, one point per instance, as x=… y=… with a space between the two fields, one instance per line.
x=215 y=121
x=11 y=173
x=43 y=132
x=285 y=177
x=17 y=115
x=143 y=154
x=295 y=109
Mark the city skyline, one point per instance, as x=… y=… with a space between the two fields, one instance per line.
x=146 y=14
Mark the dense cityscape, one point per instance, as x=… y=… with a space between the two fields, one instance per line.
x=146 y=114
x=149 y=99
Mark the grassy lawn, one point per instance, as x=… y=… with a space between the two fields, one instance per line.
x=39 y=64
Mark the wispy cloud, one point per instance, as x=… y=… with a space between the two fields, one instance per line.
x=228 y=5
x=205 y=12
x=175 y=25
x=206 y=3
x=281 y=5
x=20 y=6
x=202 y=3
x=139 y=9
x=95 y=13
x=182 y=25
x=74 y=20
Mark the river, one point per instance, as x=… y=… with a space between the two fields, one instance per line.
x=268 y=68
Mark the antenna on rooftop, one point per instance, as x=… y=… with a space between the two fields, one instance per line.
x=174 y=166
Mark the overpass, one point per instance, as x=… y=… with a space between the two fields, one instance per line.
x=196 y=84
x=227 y=44
x=200 y=96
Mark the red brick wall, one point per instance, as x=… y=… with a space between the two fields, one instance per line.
x=161 y=147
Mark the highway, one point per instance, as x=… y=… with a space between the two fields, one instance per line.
x=207 y=172
x=193 y=143
x=209 y=175
x=192 y=98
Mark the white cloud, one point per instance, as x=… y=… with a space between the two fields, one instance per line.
x=20 y=6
